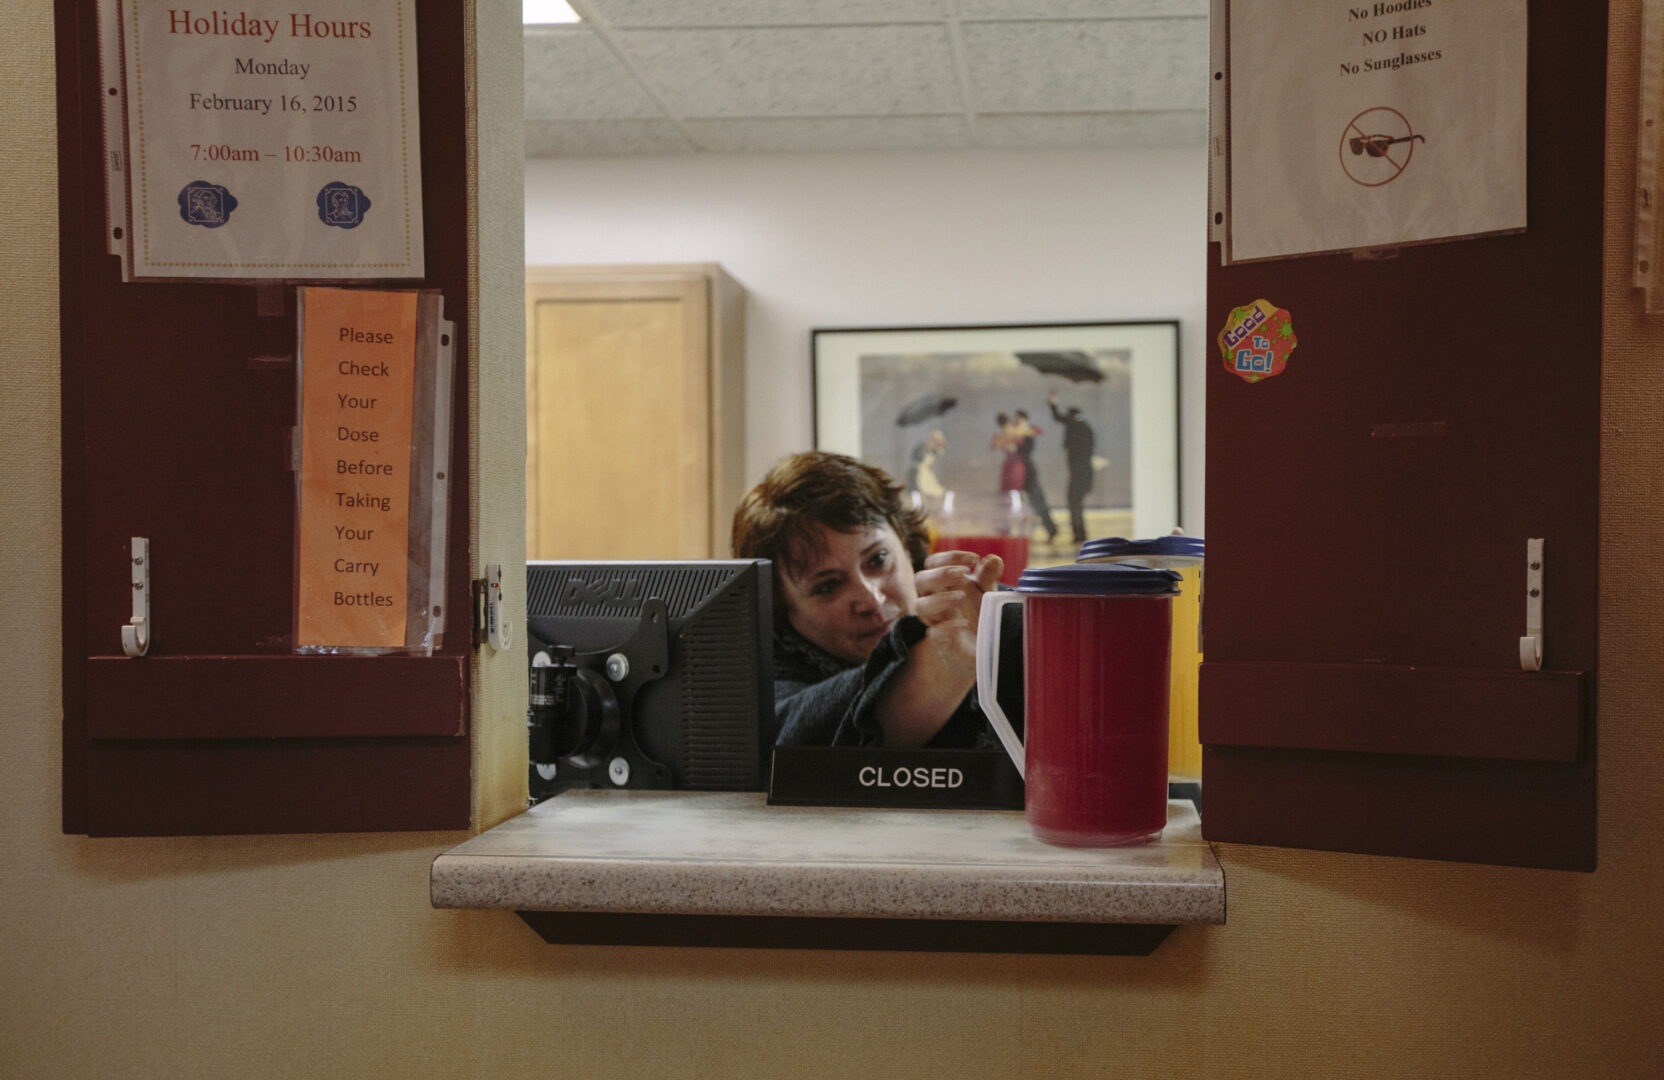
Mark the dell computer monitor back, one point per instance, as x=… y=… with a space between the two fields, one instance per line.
x=650 y=674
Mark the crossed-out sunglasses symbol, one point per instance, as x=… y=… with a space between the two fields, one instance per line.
x=1376 y=145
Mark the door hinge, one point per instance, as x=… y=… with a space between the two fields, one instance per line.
x=490 y=624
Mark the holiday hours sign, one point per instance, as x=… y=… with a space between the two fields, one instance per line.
x=272 y=142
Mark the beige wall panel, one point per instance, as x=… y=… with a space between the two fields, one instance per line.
x=497 y=337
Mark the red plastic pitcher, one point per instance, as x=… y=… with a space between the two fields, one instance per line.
x=1096 y=647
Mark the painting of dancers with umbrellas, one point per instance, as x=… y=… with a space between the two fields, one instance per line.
x=1046 y=434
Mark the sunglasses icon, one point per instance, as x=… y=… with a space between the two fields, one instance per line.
x=1376 y=145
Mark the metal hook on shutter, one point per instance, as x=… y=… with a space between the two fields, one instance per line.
x=1531 y=645
x=135 y=636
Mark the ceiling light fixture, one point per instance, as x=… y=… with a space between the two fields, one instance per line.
x=545 y=12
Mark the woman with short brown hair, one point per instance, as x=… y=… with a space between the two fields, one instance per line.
x=874 y=638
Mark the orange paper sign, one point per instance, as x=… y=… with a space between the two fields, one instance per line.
x=358 y=374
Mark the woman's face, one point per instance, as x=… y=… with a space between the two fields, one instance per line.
x=849 y=590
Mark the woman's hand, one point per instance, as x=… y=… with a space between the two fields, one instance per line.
x=950 y=590
x=942 y=667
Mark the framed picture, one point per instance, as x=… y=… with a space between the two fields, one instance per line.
x=1074 y=424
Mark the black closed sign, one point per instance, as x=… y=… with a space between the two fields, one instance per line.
x=903 y=779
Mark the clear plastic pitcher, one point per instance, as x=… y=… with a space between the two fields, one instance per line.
x=996 y=523
x=1183 y=554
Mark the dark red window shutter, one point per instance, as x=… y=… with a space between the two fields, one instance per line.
x=1368 y=512
x=176 y=410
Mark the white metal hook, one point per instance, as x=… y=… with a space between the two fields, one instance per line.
x=135 y=636
x=1531 y=645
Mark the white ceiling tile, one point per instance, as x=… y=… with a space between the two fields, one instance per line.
x=834 y=71
x=826 y=134
x=584 y=138
x=1006 y=10
x=1045 y=67
x=1014 y=131
x=707 y=13
x=571 y=74
x=754 y=75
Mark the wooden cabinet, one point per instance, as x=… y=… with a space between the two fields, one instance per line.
x=635 y=411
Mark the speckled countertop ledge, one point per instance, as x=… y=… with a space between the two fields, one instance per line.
x=728 y=853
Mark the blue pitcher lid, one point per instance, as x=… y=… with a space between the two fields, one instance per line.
x=1119 y=547
x=1098 y=579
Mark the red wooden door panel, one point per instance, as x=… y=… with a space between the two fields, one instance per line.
x=177 y=404
x=1368 y=512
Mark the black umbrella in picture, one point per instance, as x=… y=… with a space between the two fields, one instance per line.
x=1074 y=366
x=923 y=408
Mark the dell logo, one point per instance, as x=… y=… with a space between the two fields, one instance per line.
x=617 y=591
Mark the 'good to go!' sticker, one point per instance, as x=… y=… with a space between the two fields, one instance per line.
x=1256 y=340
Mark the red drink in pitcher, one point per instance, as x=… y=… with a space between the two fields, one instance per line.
x=1013 y=549
x=1097 y=639
x=1096 y=736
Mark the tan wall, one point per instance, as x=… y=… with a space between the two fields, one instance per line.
x=319 y=956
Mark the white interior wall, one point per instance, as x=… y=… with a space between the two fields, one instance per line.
x=897 y=239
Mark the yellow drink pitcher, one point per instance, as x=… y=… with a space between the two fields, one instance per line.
x=1183 y=554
